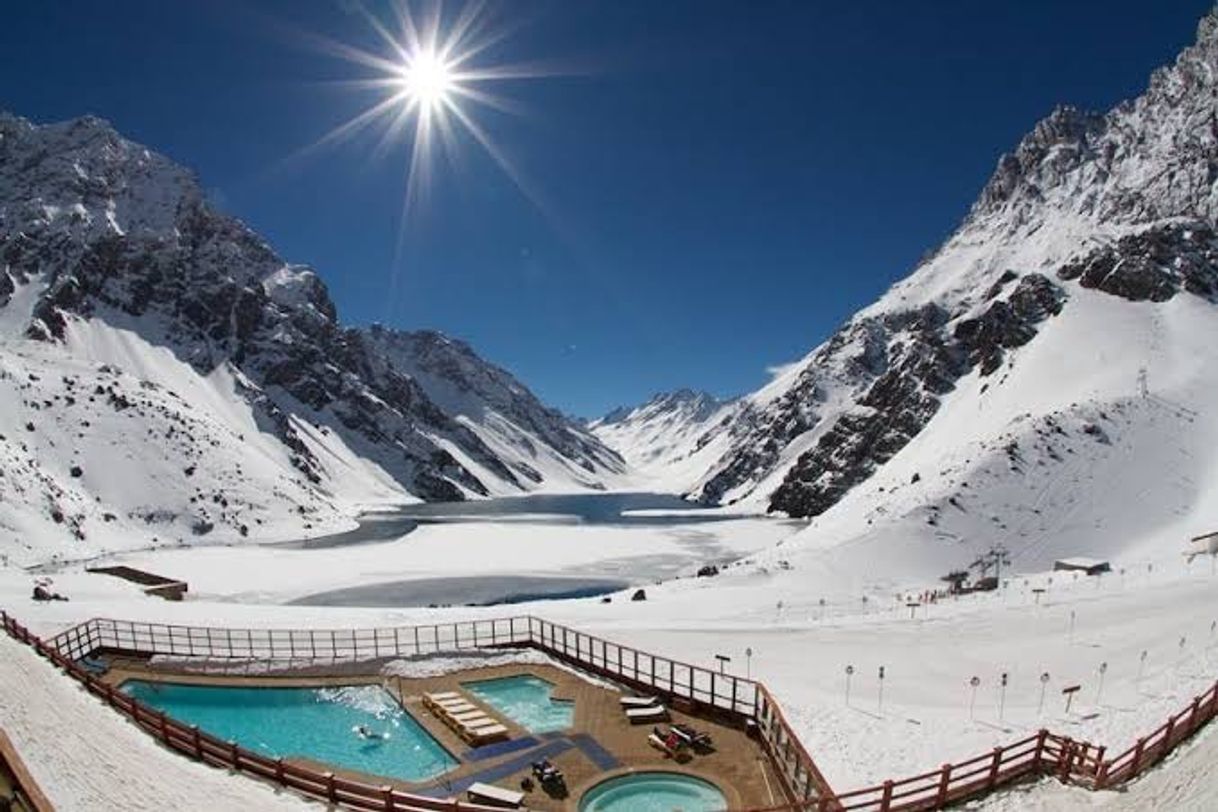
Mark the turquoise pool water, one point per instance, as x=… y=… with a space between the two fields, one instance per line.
x=653 y=792
x=315 y=723
x=526 y=700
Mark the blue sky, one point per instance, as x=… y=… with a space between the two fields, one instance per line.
x=722 y=183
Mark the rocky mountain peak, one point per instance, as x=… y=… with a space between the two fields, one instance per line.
x=105 y=229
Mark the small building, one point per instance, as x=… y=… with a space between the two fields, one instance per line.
x=1091 y=566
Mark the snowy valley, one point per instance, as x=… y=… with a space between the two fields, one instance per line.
x=176 y=397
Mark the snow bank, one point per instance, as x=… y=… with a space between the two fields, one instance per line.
x=427 y=665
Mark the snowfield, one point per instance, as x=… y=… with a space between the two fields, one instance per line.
x=801 y=650
x=1045 y=381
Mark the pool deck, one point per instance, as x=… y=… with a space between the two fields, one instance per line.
x=600 y=743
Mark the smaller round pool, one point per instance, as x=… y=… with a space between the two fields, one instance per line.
x=653 y=792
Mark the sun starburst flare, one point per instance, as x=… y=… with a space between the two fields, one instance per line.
x=428 y=82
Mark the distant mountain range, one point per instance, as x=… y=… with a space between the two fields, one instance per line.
x=165 y=376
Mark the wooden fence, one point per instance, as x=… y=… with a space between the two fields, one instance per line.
x=1043 y=753
x=704 y=690
x=740 y=700
x=188 y=739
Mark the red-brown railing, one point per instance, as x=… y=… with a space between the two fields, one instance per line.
x=1148 y=750
x=742 y=700
x=738 y=699
x=188 y=739
x=1044 y=753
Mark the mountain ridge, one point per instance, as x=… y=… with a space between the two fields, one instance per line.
x=1120 y=203
x=111 y=252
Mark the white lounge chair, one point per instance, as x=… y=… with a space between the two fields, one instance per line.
x=495 y=796
x=637 y=716
x=485 y=734
x=442 y=695
x=458 y=707
x=639 y=701
x=467 y=715
x=476 y=724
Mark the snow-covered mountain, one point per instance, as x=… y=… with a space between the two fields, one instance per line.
x=1048 y=367
x=670 y=439
x=539 y=443
x=165 y=374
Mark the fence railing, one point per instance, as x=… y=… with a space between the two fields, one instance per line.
x=701 y=689
x=1149 y=750
x=192 y=741
x=103 y=634
x=1044 y=753
x=743 y=701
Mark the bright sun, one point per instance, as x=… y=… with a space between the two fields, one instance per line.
x=429 y=84
x=428 y=80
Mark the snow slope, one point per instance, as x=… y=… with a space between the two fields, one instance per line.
x=543 y=447
x=167 y=378
x=669 y=440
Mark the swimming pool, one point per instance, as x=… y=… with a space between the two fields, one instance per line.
x=653 y=792
x=316 y=723
x=526 y=700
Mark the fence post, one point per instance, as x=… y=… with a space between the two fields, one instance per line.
x=1136 y=763
x=1063 y=762
x=945 y=782
x=197 y=741
x=234 y=754
x=331 y=790
x=279 y=769
x=886 y=798
x=1041 y=736
x=387 y=794
x=1101 y=769
x=1168 y=730
x=1194 y=715
x=995 y=765
x=164 y=727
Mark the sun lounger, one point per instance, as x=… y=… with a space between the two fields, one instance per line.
x=482 y=721
x=642 y=715
x=448 y=703
x=459 y=707
x=639 y=701
x=484 y=734
x=442 y=695
x=465 y=716
x=495 y=796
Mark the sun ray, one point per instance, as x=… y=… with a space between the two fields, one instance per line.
x=429 y=62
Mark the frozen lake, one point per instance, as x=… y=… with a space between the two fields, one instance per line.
x=642 y=510
x=496 y=551
x=486 y=590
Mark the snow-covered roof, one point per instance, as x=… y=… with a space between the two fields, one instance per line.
x=1081 y=562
